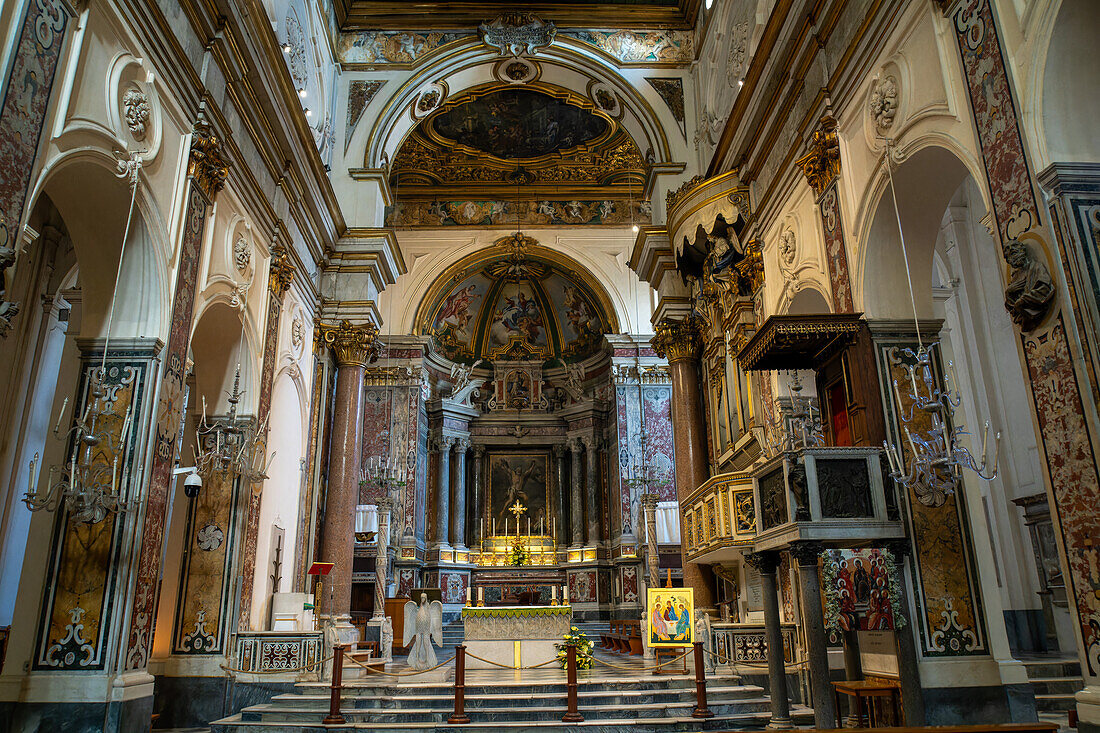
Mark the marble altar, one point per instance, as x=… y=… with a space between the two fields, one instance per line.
x=514 y=636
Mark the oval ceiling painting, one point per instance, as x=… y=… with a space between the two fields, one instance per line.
x=518 y=123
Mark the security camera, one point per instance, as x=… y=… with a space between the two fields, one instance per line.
x=192 y=484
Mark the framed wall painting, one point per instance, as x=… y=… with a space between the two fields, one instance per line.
x=670 y=614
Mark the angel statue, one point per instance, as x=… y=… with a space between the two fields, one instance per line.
x=463 y=386
x=703 y=634
x=425 y=624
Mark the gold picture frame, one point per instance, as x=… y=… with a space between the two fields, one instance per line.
x=670 y=617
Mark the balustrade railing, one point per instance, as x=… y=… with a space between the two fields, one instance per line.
x=747 y=644
x=296 y=653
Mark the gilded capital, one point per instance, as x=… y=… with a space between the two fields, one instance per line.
x=207 y=164
x=750 y=269
x=351 y=345
x=282 y=270
x=821 y=163
x=678 y=340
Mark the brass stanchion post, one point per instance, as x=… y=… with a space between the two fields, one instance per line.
x=459 y=717
x=571 y=715
x=701 y=710
x=334 y=717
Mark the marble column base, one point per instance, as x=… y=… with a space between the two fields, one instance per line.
x=779 y=724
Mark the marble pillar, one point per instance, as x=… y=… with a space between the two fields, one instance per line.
x=443 y=493
x=652 y=559
x=813 y=623
x=381 y=558
x=912 y=696
x=562 y=531
x=461 y=446
x=576 y=518
x=592 y=492
x=352 y=347
x=681 y=343
x=767 y=563
x=479 y=493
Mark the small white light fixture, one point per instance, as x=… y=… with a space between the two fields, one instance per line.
x=302 y=93
x=286 y=48
x=309 y=112
x=709 y=3
x=634 y=228
x=740 y=83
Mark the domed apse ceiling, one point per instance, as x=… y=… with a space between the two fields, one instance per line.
x=502 y=156
x=517 y=309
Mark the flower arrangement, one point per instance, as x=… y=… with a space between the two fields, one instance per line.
x=584 y=649
x=520 y=554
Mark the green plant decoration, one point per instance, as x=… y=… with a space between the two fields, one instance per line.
x=584 y=649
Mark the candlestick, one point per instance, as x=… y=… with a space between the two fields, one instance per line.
x=60 y=415
x=480 y=594
x=469 y=595
x=565 y=594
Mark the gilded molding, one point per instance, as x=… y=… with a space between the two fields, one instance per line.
x=821 y=163
x=282 y=270
x=673 y=197
x=679 y=340
x=207 y=164
x=351 y=345
x=750 y=269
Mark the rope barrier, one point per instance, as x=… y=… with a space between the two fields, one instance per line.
x=308 y=668
x=643 y=668
x=403 y=674
x=509 y=666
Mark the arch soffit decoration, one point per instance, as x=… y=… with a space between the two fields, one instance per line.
x=469 y=64
x=458 y=271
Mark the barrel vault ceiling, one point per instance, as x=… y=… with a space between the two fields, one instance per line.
x=586 y=14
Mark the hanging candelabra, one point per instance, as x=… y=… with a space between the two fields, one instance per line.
x=797 y=428
x=936 y=453
x=387 y=475
x=93 y=484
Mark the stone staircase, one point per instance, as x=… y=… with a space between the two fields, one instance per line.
x=642 y=703
x=1055 y=681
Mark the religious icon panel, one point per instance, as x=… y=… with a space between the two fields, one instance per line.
x=669 y=617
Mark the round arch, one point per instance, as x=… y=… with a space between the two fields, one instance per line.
x=220 y=340
x=474 y=65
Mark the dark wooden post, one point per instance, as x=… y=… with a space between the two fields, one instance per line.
x=701 y=710
x=334 y=717
x=459 y=717
x=571 y=715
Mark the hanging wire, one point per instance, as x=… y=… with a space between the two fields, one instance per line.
x=129 y=169
x=901 y=236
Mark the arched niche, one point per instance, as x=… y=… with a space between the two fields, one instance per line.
x=94 y=204
x=1070 y=88
x=217 y=347
x=925 y=184
x=808 y=301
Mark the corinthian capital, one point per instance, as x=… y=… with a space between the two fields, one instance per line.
x=207 y=164
x=351 y=345
x=821 y=163
x=678 y=340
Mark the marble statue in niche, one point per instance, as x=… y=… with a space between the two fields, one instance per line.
x=1030 y=290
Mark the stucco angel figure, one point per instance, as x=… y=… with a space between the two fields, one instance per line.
x=463 y=386
x=423 y=625
x=703 y=634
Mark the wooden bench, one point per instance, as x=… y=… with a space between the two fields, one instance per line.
x=624 y=636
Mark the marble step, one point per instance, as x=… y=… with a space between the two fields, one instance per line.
x=1057 y=685
x=1038 y=669
x=506 y=714
x=588 y=697
x=672 y=724
x=1055 y=703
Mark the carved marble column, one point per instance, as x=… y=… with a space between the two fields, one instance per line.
x=821 y=690
x=767 y=563
x=381 y=558
x=461 y=446
x=681 y=343
x=443 y=493
x=353 y=347
x=479 y=493
x=560 y=454
x=576 y=515
x=592 y=491
x=652 y=559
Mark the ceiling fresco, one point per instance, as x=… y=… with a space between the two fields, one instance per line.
x=518 y=123
x=509 y=144
x=517 y=308
x=419 y=14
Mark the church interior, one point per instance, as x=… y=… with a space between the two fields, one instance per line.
x=617 y=365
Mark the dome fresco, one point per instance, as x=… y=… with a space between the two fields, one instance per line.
x=517 y=308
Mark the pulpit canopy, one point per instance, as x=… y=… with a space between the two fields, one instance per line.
x=799 y=341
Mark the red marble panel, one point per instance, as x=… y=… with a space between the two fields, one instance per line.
x=837 y=258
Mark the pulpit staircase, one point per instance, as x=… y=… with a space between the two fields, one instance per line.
x=612 y=701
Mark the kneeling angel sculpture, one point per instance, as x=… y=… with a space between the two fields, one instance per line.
x=423 y=625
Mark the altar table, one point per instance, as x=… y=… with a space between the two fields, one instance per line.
x=514 y=636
